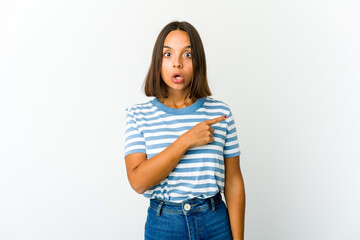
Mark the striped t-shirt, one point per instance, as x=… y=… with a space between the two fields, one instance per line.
x=152 y=126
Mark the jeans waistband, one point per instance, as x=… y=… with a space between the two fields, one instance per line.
x=186 y=207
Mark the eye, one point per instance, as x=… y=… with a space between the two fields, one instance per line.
x=166 y=54
x=188 y=54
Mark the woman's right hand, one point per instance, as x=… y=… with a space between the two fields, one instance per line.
x=201 y=133
x=144 y=173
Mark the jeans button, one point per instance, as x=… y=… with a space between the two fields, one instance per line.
x=187 y=207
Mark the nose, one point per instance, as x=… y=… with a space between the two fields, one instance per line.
x=177 y=62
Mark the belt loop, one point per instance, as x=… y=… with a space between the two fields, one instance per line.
x=212 y=204
x=159 y=209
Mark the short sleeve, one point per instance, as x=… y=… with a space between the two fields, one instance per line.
x=231 y=147
x=134 y=139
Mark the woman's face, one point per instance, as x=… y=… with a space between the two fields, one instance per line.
x=177 y=67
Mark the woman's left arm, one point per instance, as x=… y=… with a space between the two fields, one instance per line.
x=235 y=196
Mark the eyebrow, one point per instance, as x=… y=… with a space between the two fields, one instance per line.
x=171 y=48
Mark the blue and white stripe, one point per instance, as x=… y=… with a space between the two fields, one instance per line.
x=151 y=127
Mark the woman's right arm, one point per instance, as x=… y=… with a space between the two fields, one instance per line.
x=145 y=173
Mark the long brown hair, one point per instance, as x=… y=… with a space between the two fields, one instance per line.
x=154 y=84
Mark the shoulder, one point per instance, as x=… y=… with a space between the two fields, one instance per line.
x=214 y=103
x=139 y=107
x=220 y=106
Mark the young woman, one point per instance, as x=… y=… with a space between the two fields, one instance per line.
x=181 y=147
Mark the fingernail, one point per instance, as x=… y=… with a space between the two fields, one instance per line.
x=225 y=116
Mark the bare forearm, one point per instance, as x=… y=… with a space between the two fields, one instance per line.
x=152 y=171
x=145 y=173
x=235 y=200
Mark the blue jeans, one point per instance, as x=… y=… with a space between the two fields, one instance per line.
x=193 y=219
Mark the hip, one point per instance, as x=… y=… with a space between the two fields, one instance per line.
x=191 y=219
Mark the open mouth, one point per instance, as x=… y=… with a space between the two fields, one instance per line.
x=177 y=77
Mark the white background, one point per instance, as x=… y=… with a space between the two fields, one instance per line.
x=288 y=69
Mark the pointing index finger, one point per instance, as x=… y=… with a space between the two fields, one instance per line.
x=216 y=120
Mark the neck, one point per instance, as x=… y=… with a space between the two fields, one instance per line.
x=177 y=100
